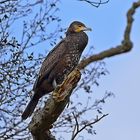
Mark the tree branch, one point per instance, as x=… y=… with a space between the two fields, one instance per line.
x=94 y=3
x=85 y=126
x=43 y=119
x=125 y=46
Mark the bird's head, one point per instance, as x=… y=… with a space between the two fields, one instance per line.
x=76 y=27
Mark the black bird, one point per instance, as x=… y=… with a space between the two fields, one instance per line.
x=59 y=63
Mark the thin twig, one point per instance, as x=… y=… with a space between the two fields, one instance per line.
x=95 y=4
x=76 y=127
x=87 y=125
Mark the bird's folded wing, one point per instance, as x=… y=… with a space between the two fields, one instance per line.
x=50 y=61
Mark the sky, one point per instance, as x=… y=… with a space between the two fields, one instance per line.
x=108 y=23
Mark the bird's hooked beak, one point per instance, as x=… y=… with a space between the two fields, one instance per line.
x=82 y=28
x=86 y=29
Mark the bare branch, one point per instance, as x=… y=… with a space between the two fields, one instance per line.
x=76 y=127
x=43 y=120
x=95 y=4
x=125 y=46
x=87 y=125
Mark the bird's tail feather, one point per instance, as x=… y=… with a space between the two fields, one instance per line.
x=30 y=108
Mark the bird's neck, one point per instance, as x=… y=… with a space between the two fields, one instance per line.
x=78 y=40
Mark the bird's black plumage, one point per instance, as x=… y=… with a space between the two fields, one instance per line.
x=59 y=63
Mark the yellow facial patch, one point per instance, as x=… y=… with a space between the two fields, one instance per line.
x=79 y=28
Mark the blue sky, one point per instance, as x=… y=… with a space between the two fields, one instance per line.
x=108 y=23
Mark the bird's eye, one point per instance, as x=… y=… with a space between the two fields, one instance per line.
x=79 y=25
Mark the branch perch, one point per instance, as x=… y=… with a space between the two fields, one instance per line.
x=43 y=119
